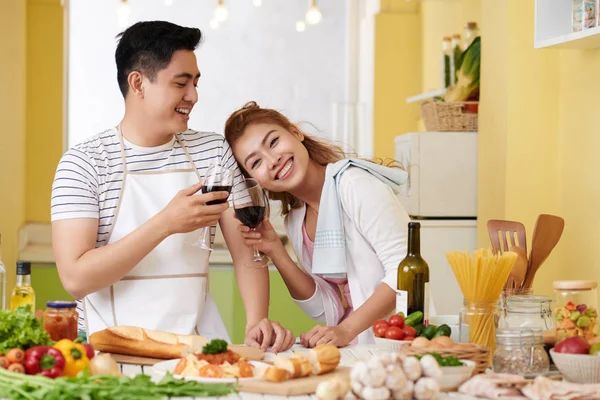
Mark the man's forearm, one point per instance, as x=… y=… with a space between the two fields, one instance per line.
x=101 y=267
x=254 y=289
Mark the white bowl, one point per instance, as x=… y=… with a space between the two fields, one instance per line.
x=390 y=344
x=577 y=368
x=453 y=377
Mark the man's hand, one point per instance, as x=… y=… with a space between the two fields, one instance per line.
x=187 y=211
x=269 y=333
x=335 y=335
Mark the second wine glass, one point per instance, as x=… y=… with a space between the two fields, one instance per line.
x=251 y=205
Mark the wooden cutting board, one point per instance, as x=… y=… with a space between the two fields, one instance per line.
x=293 y=387
x=247 y=352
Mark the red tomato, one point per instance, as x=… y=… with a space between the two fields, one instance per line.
x=394 y=332
x=409 y=331
x=396 y=320
x=380 y=321
x=409 y=338
x=380 y=330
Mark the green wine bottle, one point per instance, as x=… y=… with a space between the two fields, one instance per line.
x=413 y=277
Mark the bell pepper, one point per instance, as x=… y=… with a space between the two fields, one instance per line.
x=76 y=358
x=44 y=360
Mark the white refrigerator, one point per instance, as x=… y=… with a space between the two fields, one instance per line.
x=441 y=194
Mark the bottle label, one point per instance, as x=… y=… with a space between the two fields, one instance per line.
x=402 y=302
x=426 y=305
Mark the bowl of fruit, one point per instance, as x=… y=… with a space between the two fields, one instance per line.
x=398 y=330
x=578 y=359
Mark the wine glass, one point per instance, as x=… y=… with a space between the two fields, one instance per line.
x=251 y=205
x=218 y=179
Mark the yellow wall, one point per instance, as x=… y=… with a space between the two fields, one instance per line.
x=397 y=73
x=12 y=135
x=44 y=103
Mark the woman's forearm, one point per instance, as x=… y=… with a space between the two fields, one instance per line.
x=300 y=284
x=380 y=304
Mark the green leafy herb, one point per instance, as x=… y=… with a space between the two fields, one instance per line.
x=449 y=361
x=21 y=329
x=28 y=387
x=215 y=346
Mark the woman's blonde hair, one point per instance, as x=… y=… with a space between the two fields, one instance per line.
x=320 y=151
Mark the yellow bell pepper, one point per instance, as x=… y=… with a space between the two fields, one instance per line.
x=76 y=358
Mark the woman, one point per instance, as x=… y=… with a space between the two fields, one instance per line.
x=347 y=283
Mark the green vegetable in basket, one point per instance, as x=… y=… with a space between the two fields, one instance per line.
x=467 y=82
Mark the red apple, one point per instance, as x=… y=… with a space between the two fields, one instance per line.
x=573 y=345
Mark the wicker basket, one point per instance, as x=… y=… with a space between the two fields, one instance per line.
x=480 y=355
x=439 y=116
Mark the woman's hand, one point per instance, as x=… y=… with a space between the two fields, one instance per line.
x=335 y=335
x=265 y=237
x=269 y=333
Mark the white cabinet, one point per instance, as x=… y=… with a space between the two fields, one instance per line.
x=553 y=27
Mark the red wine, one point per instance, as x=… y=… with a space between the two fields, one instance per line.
x=216 y=188
x=250 y=216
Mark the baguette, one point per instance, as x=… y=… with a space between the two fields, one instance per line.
x=135 y=341
x=297 y=365
x=275 y=374
x=324 y=358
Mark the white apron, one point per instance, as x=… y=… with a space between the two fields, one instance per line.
x=168 y=289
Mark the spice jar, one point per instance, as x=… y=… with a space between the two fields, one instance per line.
x=60 y=320
x=527 y=311
x=576 y=309
x=478 y=322
x=520 y=351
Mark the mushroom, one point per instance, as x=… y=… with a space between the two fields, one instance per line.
x=426 y=389
x=412 y=368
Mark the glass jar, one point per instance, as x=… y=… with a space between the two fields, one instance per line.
x=527 y=311
x=60 y=320
x=520 y=351
x=508 y=292
x=478 y=322
x=576 y=309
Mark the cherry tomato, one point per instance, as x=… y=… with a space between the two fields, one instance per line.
x=396 y=320
x=409 y=338
x=380 y=330
x=394 y=332
x=409 y=331
x=380 y=321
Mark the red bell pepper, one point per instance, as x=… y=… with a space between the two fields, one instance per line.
x=89 y=350
x=44 y=360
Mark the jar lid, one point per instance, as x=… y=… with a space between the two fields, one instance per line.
x=574 y=285
x=61 y=304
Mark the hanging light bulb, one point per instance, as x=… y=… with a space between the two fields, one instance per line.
x=221 y=11
x=123 y=12
x=257 y=3
x=168 y=3
x=313 y=15
x=214 y=24
x=300 y=26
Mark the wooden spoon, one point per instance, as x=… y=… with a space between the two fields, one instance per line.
x=546 y=234
x=519 y=269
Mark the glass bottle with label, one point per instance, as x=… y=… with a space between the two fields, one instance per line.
x=413 y=277
x=447 y=70
x=23 y=293
x=2 y=281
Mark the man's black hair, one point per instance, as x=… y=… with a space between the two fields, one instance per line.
x=148 y=47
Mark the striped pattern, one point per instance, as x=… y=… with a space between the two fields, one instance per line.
x=89 y=177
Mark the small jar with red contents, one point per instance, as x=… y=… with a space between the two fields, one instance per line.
x=60 y=320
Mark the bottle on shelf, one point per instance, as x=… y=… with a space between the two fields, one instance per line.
x=471 y=32
x=447 y=69
x=2 y=280
x=413 y=277
x=23 y=293
x=456 y=56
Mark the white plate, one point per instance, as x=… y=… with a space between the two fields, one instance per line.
x=160 y=369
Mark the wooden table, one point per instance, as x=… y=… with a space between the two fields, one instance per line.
x=350 y=355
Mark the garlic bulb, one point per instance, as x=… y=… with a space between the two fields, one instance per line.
x=426 y=389
x=395 y=379
x=332 y=390
x=430 y=367
x=412 y=368
x=405 y=393
x=360 y=373
x=375 y=393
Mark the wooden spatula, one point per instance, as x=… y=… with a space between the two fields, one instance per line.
x=519 y=269
x=546 y=234
x=496 y=226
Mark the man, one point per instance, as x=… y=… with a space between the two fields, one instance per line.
x=125 y=208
